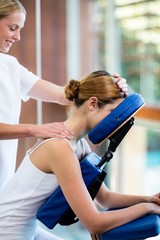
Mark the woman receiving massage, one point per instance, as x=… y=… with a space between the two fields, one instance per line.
x=52 y=162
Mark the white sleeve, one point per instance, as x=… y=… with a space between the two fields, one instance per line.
x=28 y=79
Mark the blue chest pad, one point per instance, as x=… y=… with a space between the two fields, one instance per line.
x=56 y=208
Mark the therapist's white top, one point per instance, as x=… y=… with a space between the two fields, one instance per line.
x=15 y=83
x=24 y=193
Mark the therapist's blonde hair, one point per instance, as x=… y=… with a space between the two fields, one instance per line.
x=99 y=84
x=10 y=6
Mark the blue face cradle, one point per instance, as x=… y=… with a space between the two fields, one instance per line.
x=112 y=122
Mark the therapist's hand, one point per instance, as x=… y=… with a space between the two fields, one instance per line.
x=121 y=83
x=51 y=130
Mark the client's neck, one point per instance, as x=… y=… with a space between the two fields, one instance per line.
x=77 y=123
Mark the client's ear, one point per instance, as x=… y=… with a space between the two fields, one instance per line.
x=92 y=103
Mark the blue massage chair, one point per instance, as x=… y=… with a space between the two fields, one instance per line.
x=113 y=127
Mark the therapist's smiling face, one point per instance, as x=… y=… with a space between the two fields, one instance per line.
x=10 y=27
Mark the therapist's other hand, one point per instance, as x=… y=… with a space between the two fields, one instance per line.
x=121 y=83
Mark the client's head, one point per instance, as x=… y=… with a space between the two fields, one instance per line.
x=97 y=93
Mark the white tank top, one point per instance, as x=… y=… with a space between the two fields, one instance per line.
x=25 y=192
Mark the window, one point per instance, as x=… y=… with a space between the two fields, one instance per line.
x=128 y=36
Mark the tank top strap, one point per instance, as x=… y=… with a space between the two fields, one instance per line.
x=41 y=142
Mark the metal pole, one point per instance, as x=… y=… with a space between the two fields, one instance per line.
x=38 y=54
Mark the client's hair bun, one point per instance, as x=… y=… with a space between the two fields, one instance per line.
x=72 y=89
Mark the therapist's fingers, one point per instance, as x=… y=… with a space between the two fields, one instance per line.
x=52 y=130
x=121 y=83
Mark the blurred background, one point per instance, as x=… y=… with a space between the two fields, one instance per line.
x=65 y=39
